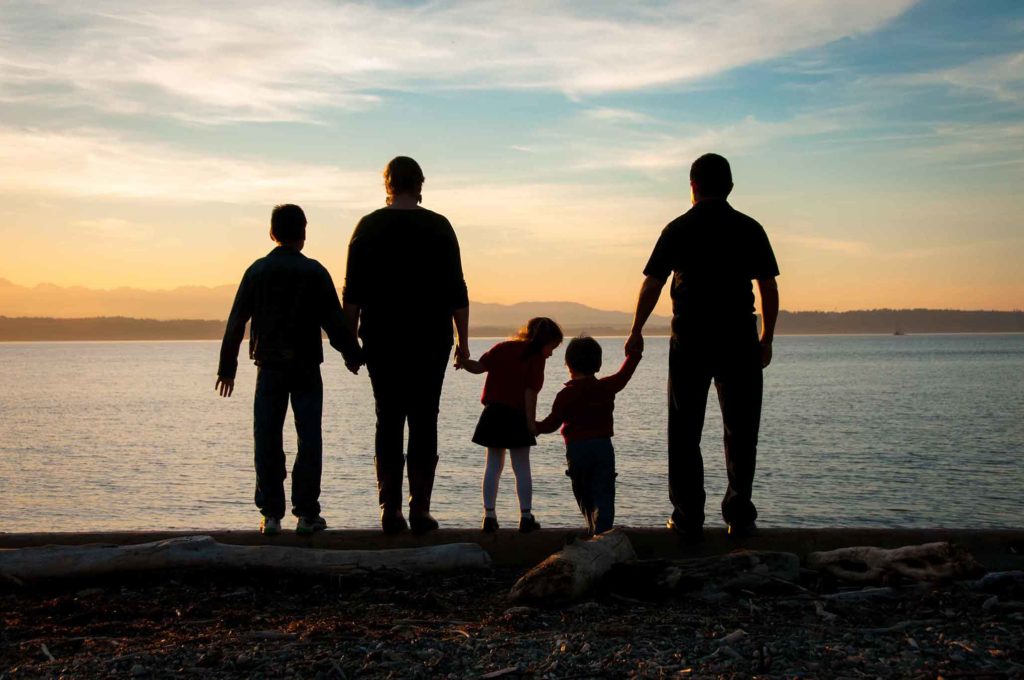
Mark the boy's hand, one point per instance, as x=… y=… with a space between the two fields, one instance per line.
x=225 y=386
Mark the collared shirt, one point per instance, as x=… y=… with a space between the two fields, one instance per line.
x=713 y=252
x=584 y=407
x=404 y=272
x=510 y=374
x=289 y=298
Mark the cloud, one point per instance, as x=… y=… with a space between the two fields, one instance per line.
x=616 y=115
x=1000 y=78
x=822 y=243
x=268 y=61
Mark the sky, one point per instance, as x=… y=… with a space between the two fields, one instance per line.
x=879 y=142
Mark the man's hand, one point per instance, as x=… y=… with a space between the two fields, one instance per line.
x=634 y=344
x=461 y=352
x=353 y=366
x=766 y=353
x=225 y=386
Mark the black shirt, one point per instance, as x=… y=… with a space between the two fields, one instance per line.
x=289 y=298
x=714 y=252
x=405 y=273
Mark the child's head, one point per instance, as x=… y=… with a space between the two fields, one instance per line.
x=583 y=355
x=288 y=225
x=541 y=335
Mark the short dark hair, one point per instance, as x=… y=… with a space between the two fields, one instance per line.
x=288 y=223
x=402 y=176
x=583 y=355
x=712 y=175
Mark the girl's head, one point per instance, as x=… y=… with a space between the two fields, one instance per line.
x=403 y=176
x=541 y=335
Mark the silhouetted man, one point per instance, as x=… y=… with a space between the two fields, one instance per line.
x=713 y=253
x=289 y=298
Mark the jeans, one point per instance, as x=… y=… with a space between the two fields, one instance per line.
x=592 y=472
x=735 y=367
x=274 y=385
x=406 y=388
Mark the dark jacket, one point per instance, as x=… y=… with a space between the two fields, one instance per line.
x=289 y=298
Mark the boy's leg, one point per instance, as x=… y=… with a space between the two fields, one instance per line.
x=269 y=408
x=579 y=475
x=307 y=407
x=602 y=485
x=492 y=475
x=424 y=404
x=520 y=458
x=389 y=459
x=688 y=385
x=739 y=395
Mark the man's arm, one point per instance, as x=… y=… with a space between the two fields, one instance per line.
x=241 y=312
x=650 y=291
x=461 y=318
x=769 y=290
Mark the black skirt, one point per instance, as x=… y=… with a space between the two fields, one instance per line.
x=503 y=427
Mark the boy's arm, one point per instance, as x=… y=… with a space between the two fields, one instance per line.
x=332 y=319
x=618 y=381
x=554 y=420
x=241 y=312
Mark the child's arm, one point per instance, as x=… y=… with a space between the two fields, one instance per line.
x=241 y=312
x=553 y=421
x=531 y=410
x=469 y=365
x=619 y=380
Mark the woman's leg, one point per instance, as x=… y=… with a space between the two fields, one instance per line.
x=492 y=474
x=524 y=479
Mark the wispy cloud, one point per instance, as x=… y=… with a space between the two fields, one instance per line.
x=261 y=60
x=811 y=242
x=999 y=78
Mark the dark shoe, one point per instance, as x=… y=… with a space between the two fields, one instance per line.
x=692 y=533
x=422 y=523
x=490 y=525
x=310 y=525
x=392 y=523
x=270 y=526
x=739 y=531
x=528 y=524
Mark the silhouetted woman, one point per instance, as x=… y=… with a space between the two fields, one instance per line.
x=403 y=289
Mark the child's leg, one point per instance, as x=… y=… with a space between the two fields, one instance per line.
x=603 y=487
x=492 y=474
x=524 y=479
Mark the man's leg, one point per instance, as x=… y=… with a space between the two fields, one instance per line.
x=425 y=398
x=603 y=486
x=689 y=381
x=739 y=395
x=307 y=407
x=269 y=408
x=389 y=459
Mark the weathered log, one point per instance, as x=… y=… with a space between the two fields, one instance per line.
x=931 y=562
x=758 y=571
x=574 y=570
x=56 y=561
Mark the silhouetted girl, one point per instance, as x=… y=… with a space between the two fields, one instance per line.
x=515 y=375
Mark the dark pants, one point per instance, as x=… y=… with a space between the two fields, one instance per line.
x=592 y=471
x=734 y=363
x=274 y=386
x=406 y=388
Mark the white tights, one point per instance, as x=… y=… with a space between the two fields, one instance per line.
x=520 y=467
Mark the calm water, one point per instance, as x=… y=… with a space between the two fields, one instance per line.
x=857 y=431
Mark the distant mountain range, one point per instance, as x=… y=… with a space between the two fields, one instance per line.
x=195 y=313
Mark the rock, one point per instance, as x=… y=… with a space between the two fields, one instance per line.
x=756 y=571
x=138 y=670
x=1007 y=584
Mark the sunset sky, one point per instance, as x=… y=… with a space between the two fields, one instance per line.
x=880 y=142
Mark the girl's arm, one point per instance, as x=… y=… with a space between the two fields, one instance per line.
x=531 y=410
x=469 y=365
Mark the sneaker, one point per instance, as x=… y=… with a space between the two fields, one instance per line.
x=422 y=523
x=740 y=531
x=528 y=523
x=689 y=533
x=309 y=525
x=270 y=526
x=392 y=523
x=490 y=525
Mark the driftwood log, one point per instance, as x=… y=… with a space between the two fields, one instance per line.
x=756 y=571
x=202 y=552
x=931 y=562
x=574 y=570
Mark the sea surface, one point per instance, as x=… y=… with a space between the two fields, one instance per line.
x=884 y=431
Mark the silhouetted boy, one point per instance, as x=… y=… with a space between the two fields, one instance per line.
x=584 y=410
x=289 y=298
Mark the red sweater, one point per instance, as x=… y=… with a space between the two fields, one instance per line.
x=509 y=374
x=584 y=406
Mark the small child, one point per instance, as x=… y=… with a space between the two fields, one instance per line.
x=515 y=375
x=584 y=411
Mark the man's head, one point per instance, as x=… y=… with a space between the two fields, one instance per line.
x=583 y=355
x=288 y=225
x=710 y=177
x=403 y=176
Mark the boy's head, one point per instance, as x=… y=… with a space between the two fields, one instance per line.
x=583 y=355
x=288 y=225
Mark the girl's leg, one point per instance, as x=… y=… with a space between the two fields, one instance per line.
x=492 y=474
x=524 y=480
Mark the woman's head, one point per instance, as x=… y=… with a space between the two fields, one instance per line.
x=403 y=176
x=541 y=335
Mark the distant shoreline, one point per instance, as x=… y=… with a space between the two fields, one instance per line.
x=868 y=322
